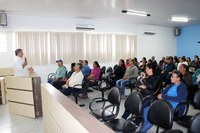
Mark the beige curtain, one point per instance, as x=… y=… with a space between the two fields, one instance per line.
x=66 y=46
x=34 y=45
x=125 y=47
x=98 y=47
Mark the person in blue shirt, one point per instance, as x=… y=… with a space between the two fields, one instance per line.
x=174 y=94
x=86 y=69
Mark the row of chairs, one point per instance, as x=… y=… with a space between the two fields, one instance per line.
x=160 y=113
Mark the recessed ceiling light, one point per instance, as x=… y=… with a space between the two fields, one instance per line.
x=138 y=13
x=179 y=19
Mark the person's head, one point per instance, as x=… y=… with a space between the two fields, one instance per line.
x=196 y=56
x=183 y=59
x=73 y=66
x=135 y=59
x=188 y=59
x=121 y=62
x=150 y=68
x=127 y=61
x=144 y=59
x=59 y=62
x=19 y=53
x=131 y=62
x=163 y=58
x=78 y=67
x=96 y=64
x=175 y=60
x=149 y=61
x=85 y=62
x=196 y=59
x=183 y=68
x=167 y=60
x=176 y=77
x=153 y=58
x=81 y=61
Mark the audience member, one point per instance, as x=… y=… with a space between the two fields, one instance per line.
x=187 y=77
x=182 y=60
x=127 y=63
x=147 y=84
x=118 y=72
x=92 y=79
x=75 y=79
x=59 y=78
x=169 y=68
x=130 y=76
x=174 y=94
x=86 y=69
x=189 y=61
x=196 y=63
x=154 y=61
x=72 y=67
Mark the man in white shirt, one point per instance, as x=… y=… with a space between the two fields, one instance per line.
x=76 y=78
x=20 y=64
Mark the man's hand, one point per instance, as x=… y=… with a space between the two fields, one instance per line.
x=24 y=64
x=143 y=87
x=160 y=96
x=124 y=78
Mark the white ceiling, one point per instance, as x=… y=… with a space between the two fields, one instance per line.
x=110 y=10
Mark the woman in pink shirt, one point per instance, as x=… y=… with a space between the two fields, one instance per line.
x=91 y=79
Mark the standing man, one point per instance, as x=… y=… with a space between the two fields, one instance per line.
x=20 y=64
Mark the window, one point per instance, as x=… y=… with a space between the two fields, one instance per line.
x=3 y=42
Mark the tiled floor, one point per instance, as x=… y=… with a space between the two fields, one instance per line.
x=10 y=123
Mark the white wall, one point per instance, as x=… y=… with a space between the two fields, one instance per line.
x=161 y=44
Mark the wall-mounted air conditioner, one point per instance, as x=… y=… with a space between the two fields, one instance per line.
x=85 y=27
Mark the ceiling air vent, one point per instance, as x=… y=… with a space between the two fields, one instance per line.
x=149 y=33
x=85 y=27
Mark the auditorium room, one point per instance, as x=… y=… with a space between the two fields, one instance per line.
x=99 y=66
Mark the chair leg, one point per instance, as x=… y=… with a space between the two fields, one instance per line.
x=102 y=93
x=76 y=101
x=157 y=130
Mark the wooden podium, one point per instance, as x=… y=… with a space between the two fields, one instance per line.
x=24 y=96
x=2 y=91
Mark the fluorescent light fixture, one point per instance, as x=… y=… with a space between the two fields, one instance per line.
x=179 y=19
x=138 y=13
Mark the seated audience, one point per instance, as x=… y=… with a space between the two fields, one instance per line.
x=75 y=79
x=161 y=64
x=175 y=61
x=136 y=62
x=118 y=72
x=86 y=69
x=187 y=77
x=148 y=84
x=71 y=71
x=130 y=76
x=174 y=94
x=92 y=79
x=59 y=78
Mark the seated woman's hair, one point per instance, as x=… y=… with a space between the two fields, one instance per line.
x=178 y=74
x=151 y=66
x=95 y=62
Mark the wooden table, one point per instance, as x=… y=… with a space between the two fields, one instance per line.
x=62 y=115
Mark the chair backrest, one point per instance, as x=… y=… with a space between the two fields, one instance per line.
x=114 y=96
x=103 y=70
x=196 y=100
x=161 y=114
x=194 y=126
x=133 y=103
x=109 y=70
